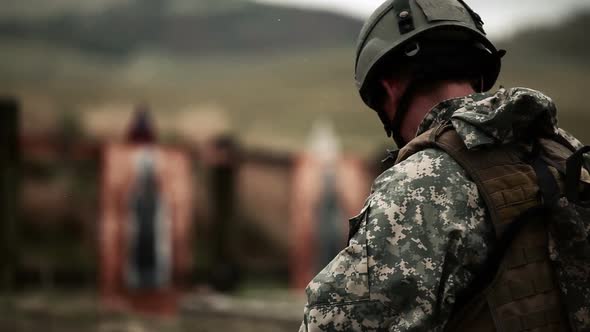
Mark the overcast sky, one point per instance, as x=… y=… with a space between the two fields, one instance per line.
x=502 y=17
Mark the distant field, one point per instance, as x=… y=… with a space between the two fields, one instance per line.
x=269 y=101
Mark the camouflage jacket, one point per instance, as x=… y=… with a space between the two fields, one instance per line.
x=424 y=230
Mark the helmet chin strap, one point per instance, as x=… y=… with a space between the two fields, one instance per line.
x=397 y=136
x=393 y=127
x=482 y=84
x=386 y=123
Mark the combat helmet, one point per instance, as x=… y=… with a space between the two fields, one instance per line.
x=437 y=37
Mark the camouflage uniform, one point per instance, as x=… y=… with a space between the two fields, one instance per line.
x=424 y=230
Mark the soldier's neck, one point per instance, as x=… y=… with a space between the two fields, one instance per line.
x=424 y=99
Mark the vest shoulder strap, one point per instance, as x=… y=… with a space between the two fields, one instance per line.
x=518 y=291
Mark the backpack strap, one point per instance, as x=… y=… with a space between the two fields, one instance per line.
x=548 y=186
x=574 y=165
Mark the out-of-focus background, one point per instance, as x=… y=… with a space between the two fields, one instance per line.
x=189 y=165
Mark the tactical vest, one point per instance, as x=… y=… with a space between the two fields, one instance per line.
x=518 y=291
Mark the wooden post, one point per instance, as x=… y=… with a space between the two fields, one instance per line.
x=221 y=158
x=9 y=186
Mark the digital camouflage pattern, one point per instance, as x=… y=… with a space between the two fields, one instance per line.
x=421 y=235
x=506 y=116
x=424 y=230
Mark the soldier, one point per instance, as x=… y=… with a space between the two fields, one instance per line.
x=423 y=251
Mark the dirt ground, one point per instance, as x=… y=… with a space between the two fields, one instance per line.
x=69 y=312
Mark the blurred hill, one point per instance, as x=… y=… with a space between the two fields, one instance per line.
x=180 y=27
x=269 y=72
x=567 y=42
x=40 y=9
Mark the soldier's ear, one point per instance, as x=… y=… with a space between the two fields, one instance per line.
x=388 y=86
x=394 y=87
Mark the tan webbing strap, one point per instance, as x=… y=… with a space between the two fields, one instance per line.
x=422 y=142
x=523 y=256
x=511 y=291
x=543 y=318
x=525 y=285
